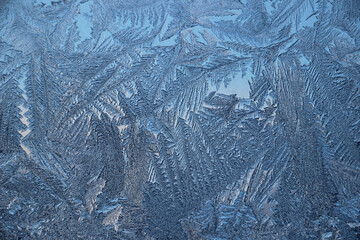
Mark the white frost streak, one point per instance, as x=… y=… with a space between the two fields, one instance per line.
x=24 y=133
x=113 y=217
x=92 y=193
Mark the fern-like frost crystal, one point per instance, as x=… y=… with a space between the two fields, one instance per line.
x=180 y=119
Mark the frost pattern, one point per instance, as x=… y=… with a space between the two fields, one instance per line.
x=116 y=123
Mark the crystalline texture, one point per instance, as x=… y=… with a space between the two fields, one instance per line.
x=180 y=119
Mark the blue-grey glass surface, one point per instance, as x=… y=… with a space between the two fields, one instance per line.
x=180 y=119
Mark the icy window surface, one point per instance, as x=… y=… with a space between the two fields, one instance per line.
x=179 y=119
